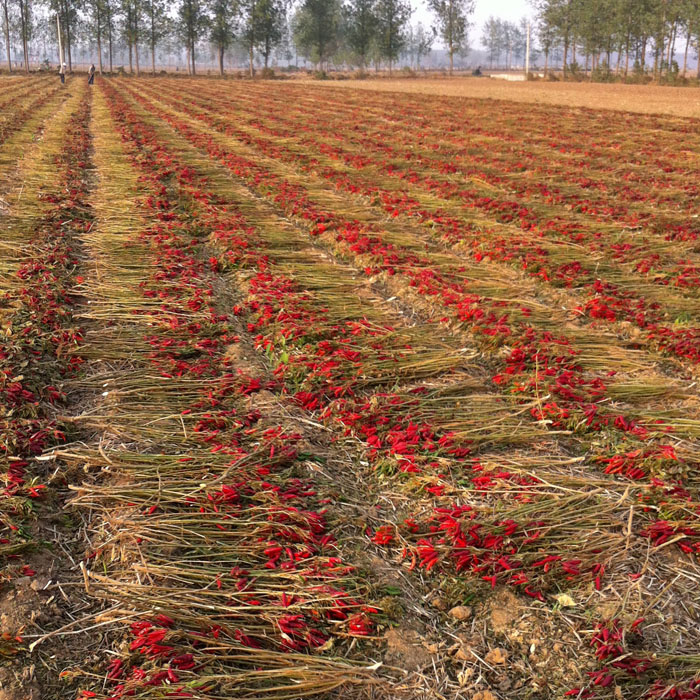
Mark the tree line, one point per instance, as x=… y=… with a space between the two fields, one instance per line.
x=614 y=37
x=505 y=42
x=617 y=37
x=359 y=32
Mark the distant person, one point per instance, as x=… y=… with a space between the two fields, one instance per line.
x=62 y=73
x=91 y=74
x=477 y=72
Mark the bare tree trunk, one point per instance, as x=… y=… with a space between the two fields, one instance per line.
x=153 y=40
x=250 y=60
x=130 y=37
x=7 y=36
x=24 y=29
x=627 y=55
x=67 y=37
x=673 y=44
x=61 y=42
x=221 y=60
x=192 y=55
x=451 y=58
x=656 y=60
x=99 y=38
x=546 y=61
x=109 y=34
x=136 y=45
x=671 y=40
x=685 y=55
x=68 y=43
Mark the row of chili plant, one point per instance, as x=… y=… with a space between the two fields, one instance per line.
x=239 y=584
x=42 y=336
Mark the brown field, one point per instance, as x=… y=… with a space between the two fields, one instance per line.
x=645 y=99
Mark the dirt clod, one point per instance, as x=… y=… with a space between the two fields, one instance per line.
x=497 y=656
x=505 y=609
x=463 y=654
x=439 y=603
x=484 y=695
x=460 y=612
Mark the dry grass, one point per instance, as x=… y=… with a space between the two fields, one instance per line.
x=645 y=99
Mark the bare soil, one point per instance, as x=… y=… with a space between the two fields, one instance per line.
x=645 y=99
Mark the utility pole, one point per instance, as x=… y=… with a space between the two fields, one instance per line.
x=527 y=52
x=60 y=43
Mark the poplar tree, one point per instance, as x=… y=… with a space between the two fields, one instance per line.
x=6 y=31
x=158 y=26
x=132 y=11
x=270 y=26
x=631 y=30
x=316 y=29
x=25 y=29
x=108 y=15
x=67 y=10
x=248 y=14
x=419 y=42
x=192 y=22
x=361 y=28
x=392 y=17
x=221 y=27
x=263 y=27
x=452 y=23
x=492 y=38
x=97 y=20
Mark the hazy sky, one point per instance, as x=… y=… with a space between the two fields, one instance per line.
x=507 y=9
x=512 y=10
